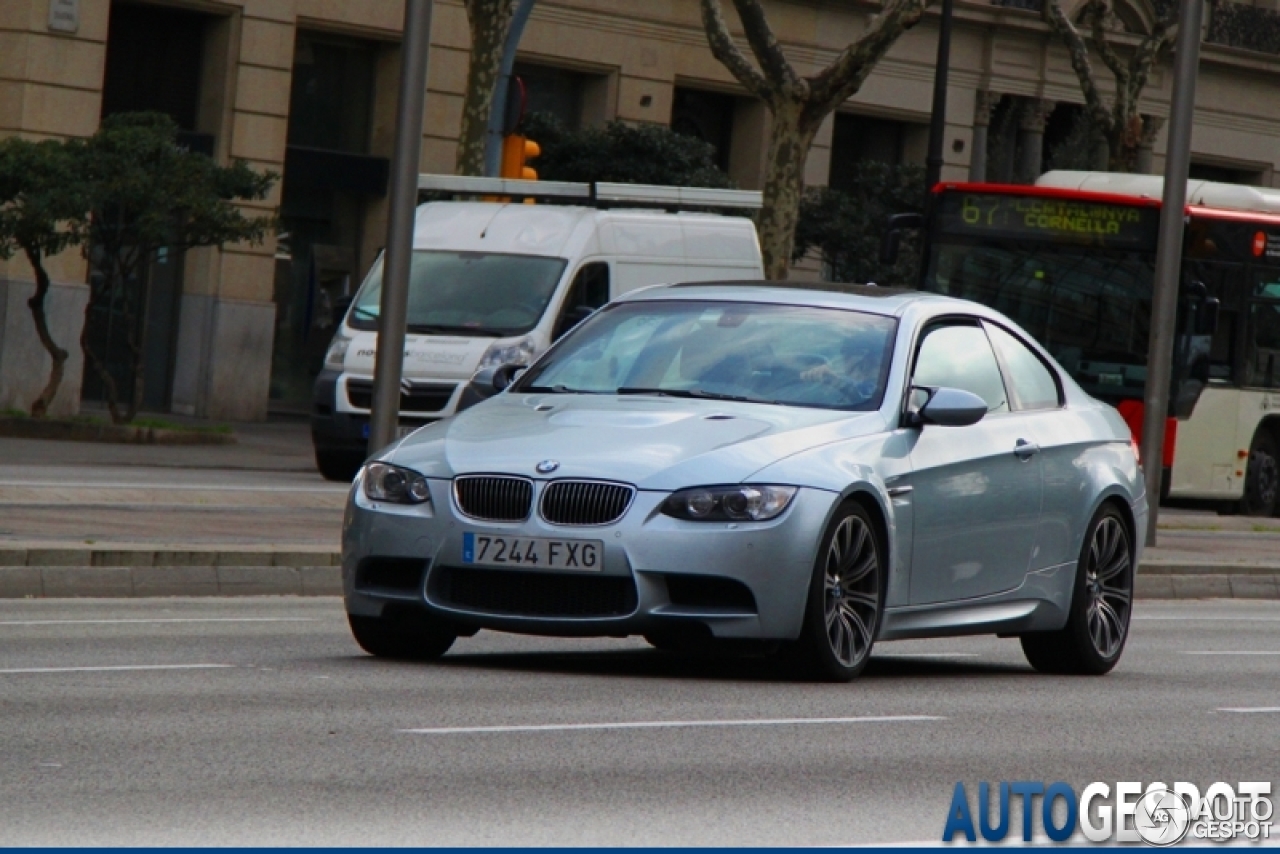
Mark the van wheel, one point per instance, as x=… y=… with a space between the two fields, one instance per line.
x=339 y=466
x=1262 y=477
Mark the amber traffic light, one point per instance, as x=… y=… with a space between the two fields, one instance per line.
x=517 y=151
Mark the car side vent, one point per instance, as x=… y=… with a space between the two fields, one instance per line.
x=390 y=575
x=494 y=498
x=710 y=591
x=585 y=502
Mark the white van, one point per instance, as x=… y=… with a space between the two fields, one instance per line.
x=494 y=284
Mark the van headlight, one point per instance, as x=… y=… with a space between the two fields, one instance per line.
x=384 y=482
x=335 y=358
x=517 y=352
x=746 y=503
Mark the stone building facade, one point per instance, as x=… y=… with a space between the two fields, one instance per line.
x=306 y=88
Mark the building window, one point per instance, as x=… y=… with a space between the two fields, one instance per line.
x=1225 y=174
x=859 y=139
x=332 y=95
x=552 y=90
x=707 y=116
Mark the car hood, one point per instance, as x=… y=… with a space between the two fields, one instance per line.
x=653 y=442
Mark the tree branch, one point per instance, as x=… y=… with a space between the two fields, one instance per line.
x=1096 y=11
x=724 y=49
x=1079 y=53
x=844 y=77
x=1149 y=51
x=765 y=46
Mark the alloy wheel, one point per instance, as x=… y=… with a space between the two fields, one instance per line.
x=851 y=595
x=1109 y=584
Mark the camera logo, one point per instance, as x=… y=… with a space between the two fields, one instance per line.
x=1162 y=817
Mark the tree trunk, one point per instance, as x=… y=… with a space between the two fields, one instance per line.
x=489 y=20
x=58 y=355
x=790 y=136
x=91 y=359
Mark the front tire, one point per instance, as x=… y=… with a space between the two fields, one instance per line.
x=403 y=640
x=846 y=598
x=1101 y=603
x=1262 y=477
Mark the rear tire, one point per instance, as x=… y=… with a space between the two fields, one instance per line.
x=1262 y=477
x=846 y=598
x=339 y=466
x=400 y=639
x=1101 y=603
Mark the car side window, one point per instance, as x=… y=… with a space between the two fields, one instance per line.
x=1030 y=379
x=959 y=356
x=589 y=291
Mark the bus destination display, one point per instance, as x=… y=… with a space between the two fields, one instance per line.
x=1054 y=219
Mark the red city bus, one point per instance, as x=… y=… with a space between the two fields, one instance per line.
x=1072 y=259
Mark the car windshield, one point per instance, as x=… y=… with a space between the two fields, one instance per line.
x=781 y=354
x=467 y=293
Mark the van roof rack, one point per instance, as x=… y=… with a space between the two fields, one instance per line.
x=598 y=194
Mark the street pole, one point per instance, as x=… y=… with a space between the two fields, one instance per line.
x=1164 y=305
x=498 y=109
x=938 y=119
x=393 y=308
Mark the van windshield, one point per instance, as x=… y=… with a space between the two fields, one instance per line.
x=467 y=293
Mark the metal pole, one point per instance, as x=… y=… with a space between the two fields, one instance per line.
x=938 y=120
x=498 y=109
x=1164 y=305
x=392 y=311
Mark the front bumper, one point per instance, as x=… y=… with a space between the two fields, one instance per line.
x=773 y=560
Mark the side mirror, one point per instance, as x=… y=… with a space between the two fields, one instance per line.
x=892 y=240
x=572 y=318
x=951 y=407
x=506 y=375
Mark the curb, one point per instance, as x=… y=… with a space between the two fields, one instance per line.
x=138 y=571
x=65 y=573
x=124 y=434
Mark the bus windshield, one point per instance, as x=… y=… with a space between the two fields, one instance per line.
x=1089 y=307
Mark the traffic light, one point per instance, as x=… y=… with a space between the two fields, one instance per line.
x=517 y=151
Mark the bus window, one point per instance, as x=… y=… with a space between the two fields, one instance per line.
x=1264 y=320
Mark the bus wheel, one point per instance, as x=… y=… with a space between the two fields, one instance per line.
x=1262 y=477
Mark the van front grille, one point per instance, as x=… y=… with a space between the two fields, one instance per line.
x=417 y=397
x=494 y=498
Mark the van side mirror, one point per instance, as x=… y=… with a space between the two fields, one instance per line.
x=950 y=407
x=891 y=242
x=506 y=375
x=572 y=318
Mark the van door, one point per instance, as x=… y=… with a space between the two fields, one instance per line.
x=589 y=291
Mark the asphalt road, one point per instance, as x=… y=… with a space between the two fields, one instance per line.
x=258 y=721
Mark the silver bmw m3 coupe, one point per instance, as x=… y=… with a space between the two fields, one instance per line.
x=816 y=469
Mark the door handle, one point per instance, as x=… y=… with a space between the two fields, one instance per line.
x=1025 y=450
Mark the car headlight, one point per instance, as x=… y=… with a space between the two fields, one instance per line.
x=335 y=358
x=383 y=482
x=517 y=352
x=748 y=503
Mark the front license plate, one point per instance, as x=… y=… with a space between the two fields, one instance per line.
x=487 y=550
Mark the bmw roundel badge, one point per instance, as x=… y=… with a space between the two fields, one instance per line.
x=547 y=466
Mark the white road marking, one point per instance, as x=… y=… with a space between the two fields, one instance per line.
x=1232 y=652
x=464 y=730
x=113 y=668
x=1223 y=619
x=161 y=620
x=1247 y=711
x=201 y=487
x=925 y=655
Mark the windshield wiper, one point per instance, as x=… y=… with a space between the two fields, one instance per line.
x=559 y=388
x=361 y=310
x=688 y=392
x=439 y=329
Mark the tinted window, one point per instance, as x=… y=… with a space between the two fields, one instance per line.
x=1032 y=384
x=790 y=355
x=960 y=357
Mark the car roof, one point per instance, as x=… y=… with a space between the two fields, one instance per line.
x=869 y=298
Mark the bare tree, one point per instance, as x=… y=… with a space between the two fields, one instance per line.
x=489 y=21
x=798 y=103
x=1121 y=125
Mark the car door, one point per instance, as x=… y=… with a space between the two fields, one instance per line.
x=976 y=490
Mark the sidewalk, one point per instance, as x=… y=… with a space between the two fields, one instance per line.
x=254 y=518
